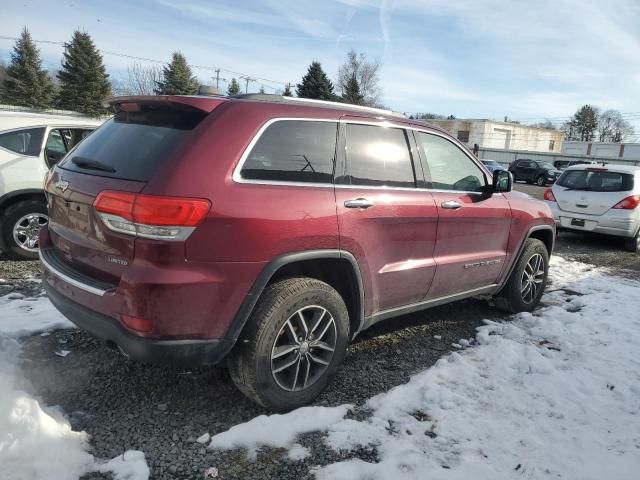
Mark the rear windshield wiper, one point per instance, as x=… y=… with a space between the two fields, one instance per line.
x=585 y=189
x=89 y=164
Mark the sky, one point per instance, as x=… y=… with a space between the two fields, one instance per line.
x=530 y=61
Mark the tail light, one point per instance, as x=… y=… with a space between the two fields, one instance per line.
x=628 y=203
x=548 y=195
x=150 y=216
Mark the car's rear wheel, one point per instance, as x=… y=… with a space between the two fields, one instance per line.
x=292 y=345
x=633 y=244
x=540 y=181
x=525 y=286
x=21 y=224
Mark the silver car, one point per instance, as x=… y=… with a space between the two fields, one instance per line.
x=601 y=199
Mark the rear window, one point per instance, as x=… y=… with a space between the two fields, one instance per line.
x=595 y=181
x=132 y=145
x=27 y=141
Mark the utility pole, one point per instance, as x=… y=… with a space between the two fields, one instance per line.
x=247 y=79
x=217 y=70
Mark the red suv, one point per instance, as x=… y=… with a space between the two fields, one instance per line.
x=269 y=231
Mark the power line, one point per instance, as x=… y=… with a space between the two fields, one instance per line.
x=154 y=60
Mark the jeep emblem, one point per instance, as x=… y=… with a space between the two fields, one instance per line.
x=62 y=185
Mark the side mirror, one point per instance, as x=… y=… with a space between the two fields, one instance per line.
x=502 y=181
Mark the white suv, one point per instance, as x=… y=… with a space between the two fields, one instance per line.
x=30 y=144
x=601 y=199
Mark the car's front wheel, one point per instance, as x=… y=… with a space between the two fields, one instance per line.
x=292 y=345
x=540 y=181
x=21 y=224
x=525 y=286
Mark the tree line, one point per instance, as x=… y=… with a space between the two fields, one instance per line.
x=82 y=83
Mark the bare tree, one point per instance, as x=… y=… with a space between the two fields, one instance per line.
x=143 y=79
x=366 y=74
x=612 y=127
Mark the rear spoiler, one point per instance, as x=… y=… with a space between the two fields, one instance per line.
x=178 y=102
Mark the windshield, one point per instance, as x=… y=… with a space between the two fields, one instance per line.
x=547 y=166
x=596 y=181
x=491 y=162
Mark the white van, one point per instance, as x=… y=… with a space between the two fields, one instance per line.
x=30 y=144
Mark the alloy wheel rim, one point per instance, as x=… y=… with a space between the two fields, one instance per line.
x=532 y=278
x=27 y=229
x=303 y=348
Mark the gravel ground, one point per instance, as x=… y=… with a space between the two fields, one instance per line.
x=126 y=405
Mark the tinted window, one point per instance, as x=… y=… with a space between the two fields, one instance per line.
x=26 y=142
x=134 y=144
x=449 y=167
x=596 y=181
x=293 y=151
x=378 y=156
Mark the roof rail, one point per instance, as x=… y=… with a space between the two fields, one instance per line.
x=265 y=97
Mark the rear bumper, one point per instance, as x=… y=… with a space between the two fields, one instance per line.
x=161 y=352
x=620 y=223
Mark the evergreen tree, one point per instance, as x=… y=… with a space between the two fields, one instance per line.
x=177 y=78
x=315 y=84
x=27 y=85
x=234 y=88
x=84 y=83
x=287 y=91
x=585 y=122
x=351 y=92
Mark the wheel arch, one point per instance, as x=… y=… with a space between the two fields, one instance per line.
x=545 y=233
x=336 y=267
x=15 y=196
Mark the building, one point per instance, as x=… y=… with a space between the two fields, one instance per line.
x=503 y=135
x=627 y=151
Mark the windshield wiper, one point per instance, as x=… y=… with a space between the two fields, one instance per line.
x=585 y=189
x=89 y=164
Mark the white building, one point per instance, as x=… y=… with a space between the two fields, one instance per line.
x=503 y=135
x=628 y=151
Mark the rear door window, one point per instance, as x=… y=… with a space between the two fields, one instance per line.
x=378 y=156
x=27 y=141
x=449 y=167
x=596 y=181
x=132 y=145
x=293 y=151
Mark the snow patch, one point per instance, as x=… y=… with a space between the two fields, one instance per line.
x=36 y=441
x=278 y=430
x=23 y=316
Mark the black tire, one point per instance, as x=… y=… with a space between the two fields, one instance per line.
x=250 y=363
x=540 y=181
x=633 y=244
x=511 y=297
x=11 y=216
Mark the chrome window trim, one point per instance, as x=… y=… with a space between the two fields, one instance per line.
x=385 y=123
x=237 y=177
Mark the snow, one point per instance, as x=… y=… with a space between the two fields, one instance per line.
x=36 y=441
x=278 y=430
x=553 y=394
x=23 y=316
x=204 y=438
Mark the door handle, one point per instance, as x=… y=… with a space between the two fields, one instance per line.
x=451 y=205
x=358 y=203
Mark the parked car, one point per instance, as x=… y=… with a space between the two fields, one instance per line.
x=534 y=171
x=269 y=231
x=492 y=165
x=604 y=200
x=30 y=144
x=563 y=164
